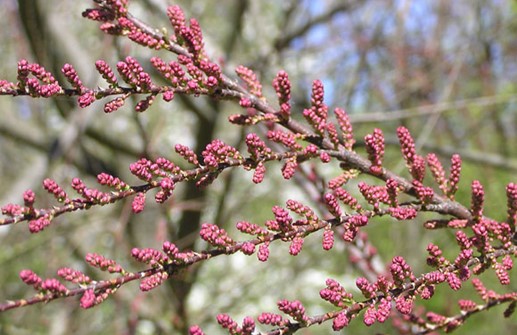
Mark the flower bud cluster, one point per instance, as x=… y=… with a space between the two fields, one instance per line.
x=150 y=256
x=511 y=194
x=90 y=194
x=103 y=263
x=282 y=87
x=50 y=285
x=437 y=171
x=215 y=236
x=193 y=73
x=72 y=77
x=109 y=180
x=106 y=72
x=331 y=201
x=375 y=149
x=346 y=128
x=374 y=194
x=347 y=199
x=263 y=252
x=99 y=14
x=289 y=168
x=74 y=276
x=153 y=281
x=189 y=36
x=478 y=199
x=138 y=203
x=251 y=228
x=133 y=74
x=335 y=294
x=147 y=170
x=129 y=29
x=401 y=271
x=92 y=298
x=316 y=116
x=30 y=278
x=454 y=177
x=288 y=139
x=352 y=225
x=283 y=221
x=294 y=309
x=271 y=319
x=302 y=210
x=42 y=84
x=423 y=193
x=37 y=225
x=217 y=152
x=88 y=299
x=256 y=147
x=328 y=238
x=415 y=163
x=250 y=78
x=13 y=210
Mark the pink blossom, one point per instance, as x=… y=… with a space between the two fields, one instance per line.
x=109 y=180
